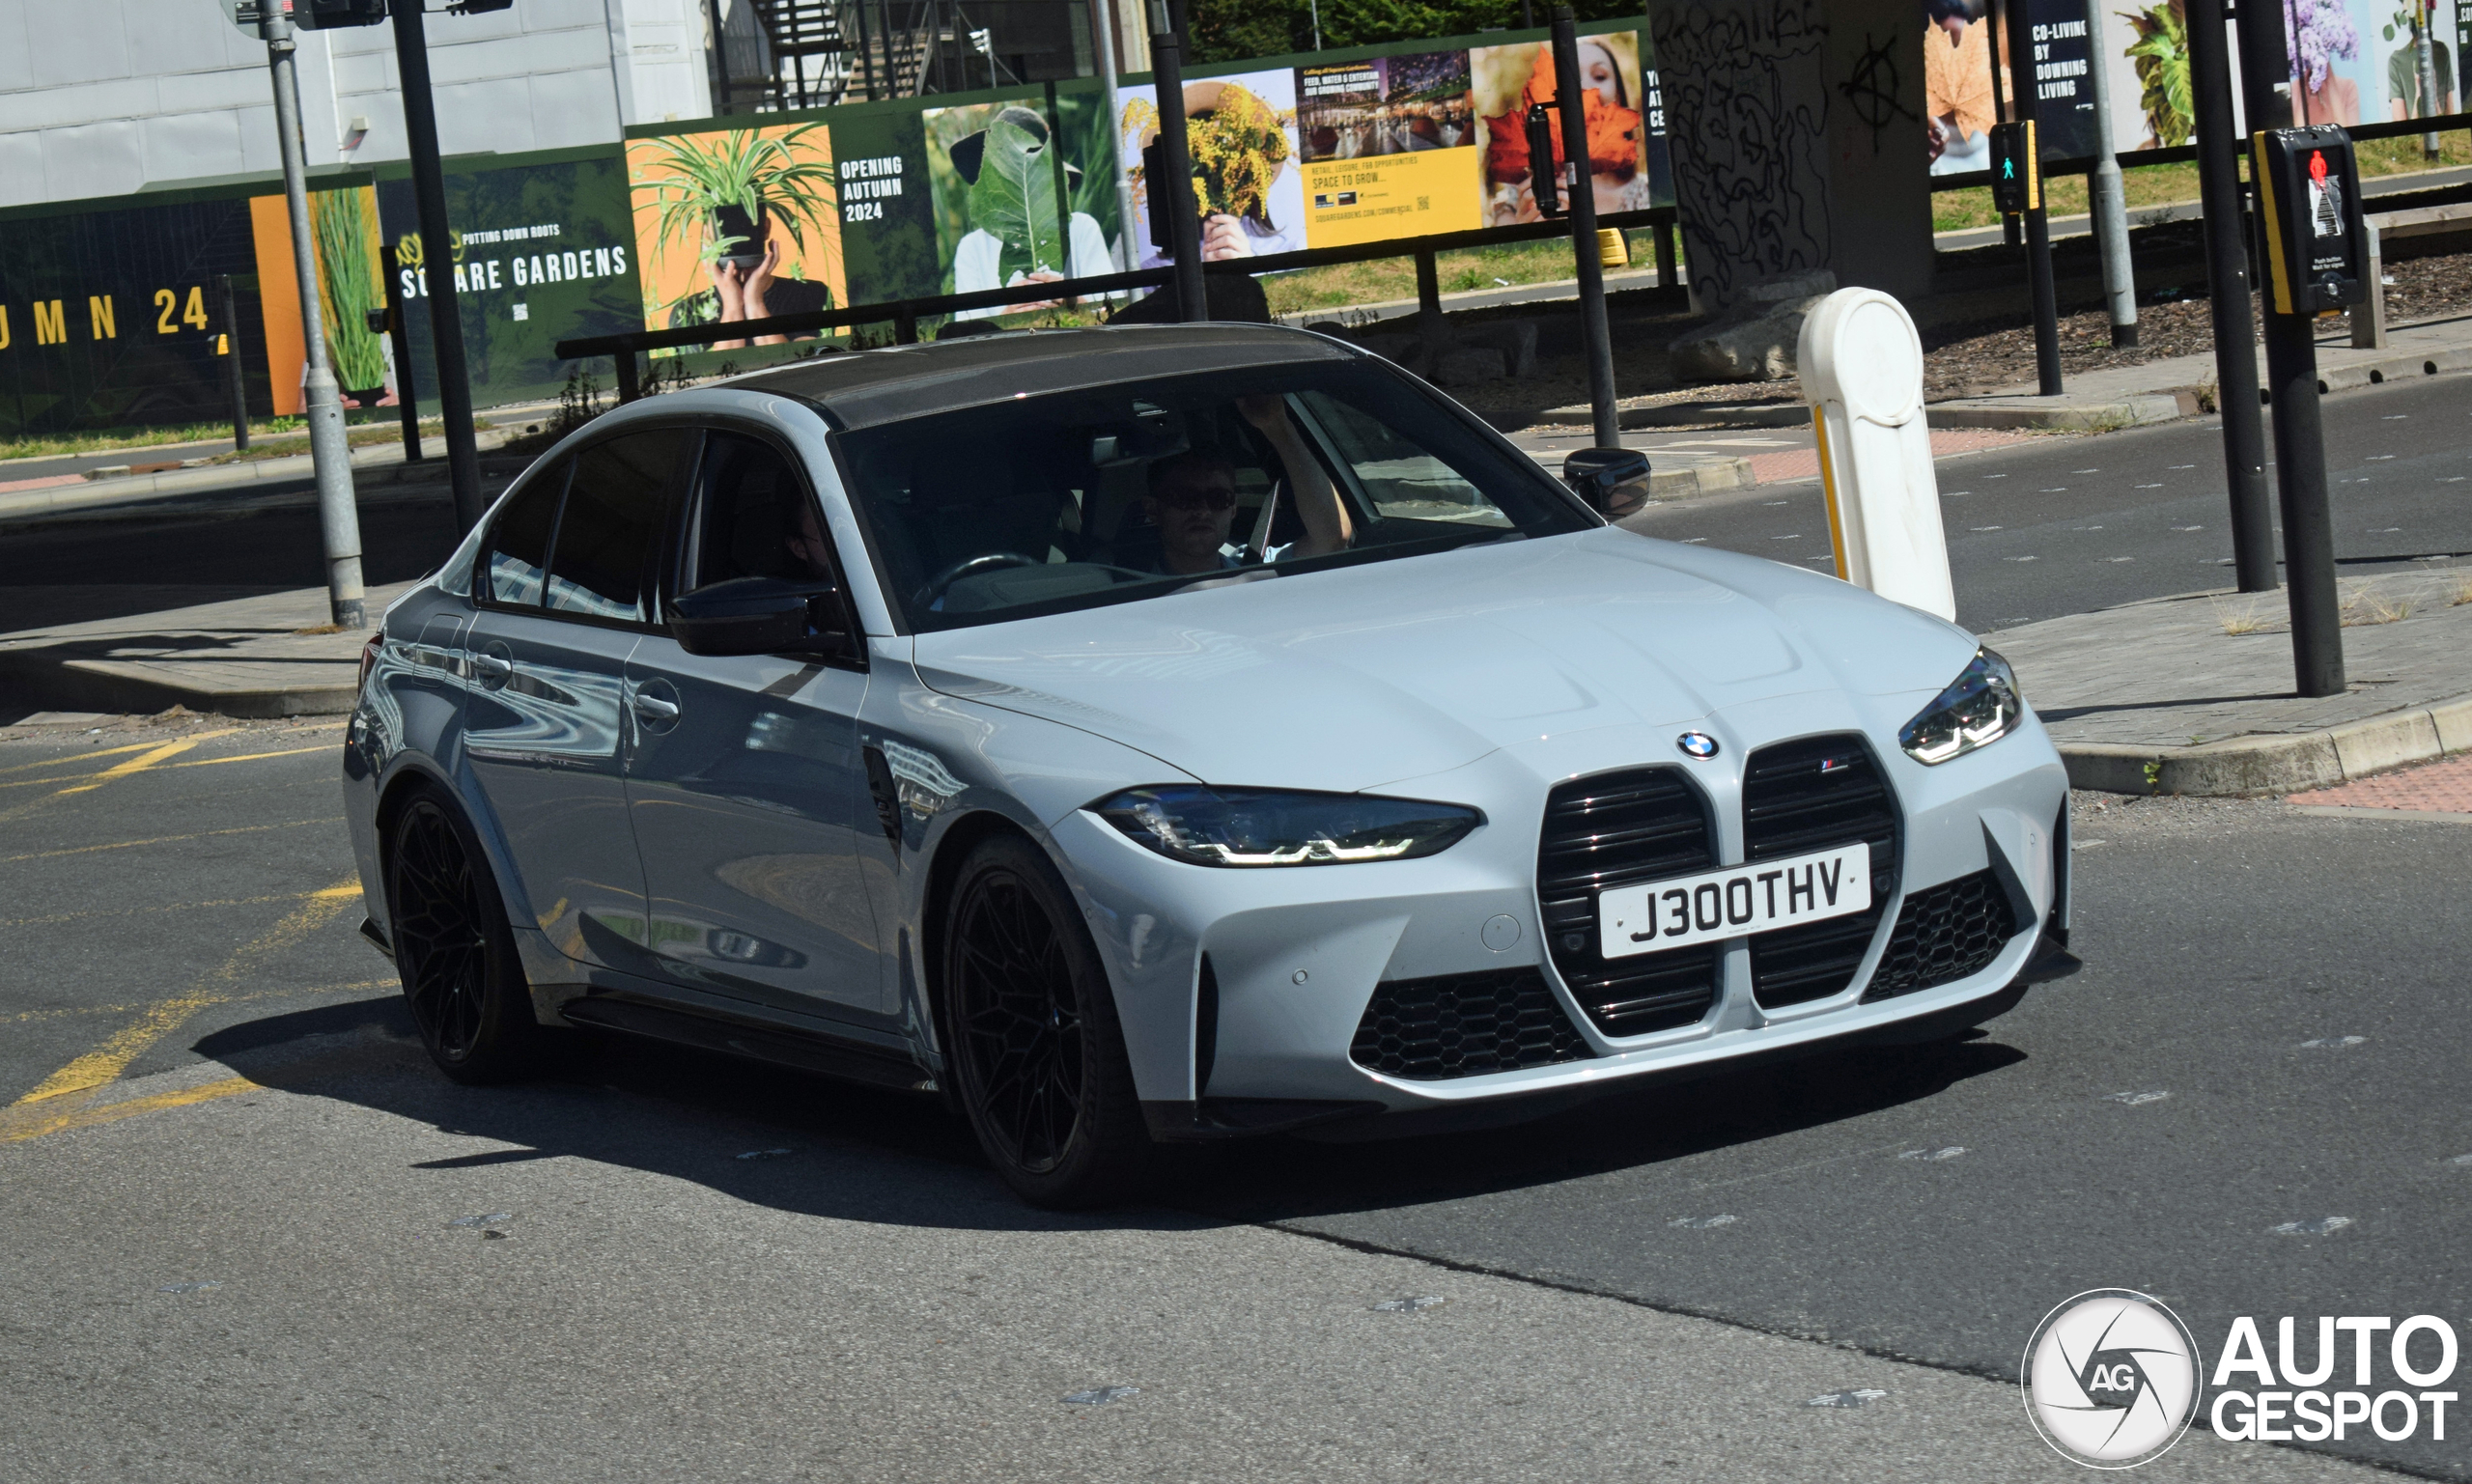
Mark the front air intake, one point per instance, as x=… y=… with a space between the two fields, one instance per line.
x=1945 y=934
x=1805 y=795
x=1464 y=1026
x=1620 y=830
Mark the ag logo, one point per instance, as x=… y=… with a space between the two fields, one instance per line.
x=2111 y=1378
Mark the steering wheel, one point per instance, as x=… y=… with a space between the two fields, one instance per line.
x=987 y=561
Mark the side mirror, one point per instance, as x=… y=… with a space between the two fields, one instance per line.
x=758 y=616
x=1613 y=481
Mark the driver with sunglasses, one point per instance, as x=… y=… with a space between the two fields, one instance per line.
x=1193 y=498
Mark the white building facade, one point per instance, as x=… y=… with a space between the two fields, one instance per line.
x=121 y=98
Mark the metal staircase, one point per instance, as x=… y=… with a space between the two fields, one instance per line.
x=787 y=54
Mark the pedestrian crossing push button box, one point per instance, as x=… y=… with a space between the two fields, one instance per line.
x=2317 y=237
x=2017 y=170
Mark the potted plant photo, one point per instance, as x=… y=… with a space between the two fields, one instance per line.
x=745 y=203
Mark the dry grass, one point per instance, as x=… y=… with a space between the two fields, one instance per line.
x=2462 y=593
x=1384 y=280
x=2369 y=607
x=2240 y=615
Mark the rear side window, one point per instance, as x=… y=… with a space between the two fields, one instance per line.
x=519 y=550
x=755 y=518
x=612 y=524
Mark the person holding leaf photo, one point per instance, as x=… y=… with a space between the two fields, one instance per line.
x=1014 y=214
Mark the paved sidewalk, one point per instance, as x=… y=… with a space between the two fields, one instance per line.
x=2194 y=694
x=268 y=656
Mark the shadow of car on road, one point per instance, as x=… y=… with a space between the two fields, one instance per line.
x=906 y=1159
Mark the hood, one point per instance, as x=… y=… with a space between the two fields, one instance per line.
x=1347 y=680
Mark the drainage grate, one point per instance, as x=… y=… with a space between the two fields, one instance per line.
x=1619 y=830
x=1465 y=1026
x=1805 y=796
x=1945 y=934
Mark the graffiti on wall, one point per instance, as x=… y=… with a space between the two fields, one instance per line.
x=1745 y=119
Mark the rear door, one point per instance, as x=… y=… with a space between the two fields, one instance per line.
x=747 y=788
x=560 y=599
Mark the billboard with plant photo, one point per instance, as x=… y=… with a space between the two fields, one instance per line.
x=543 y=250
x=2359 y=61
x=737 y=224
x=1022 y=191
x=1390 y=146
x=1247 y=180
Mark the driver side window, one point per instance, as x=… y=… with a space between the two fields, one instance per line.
x=753 y=518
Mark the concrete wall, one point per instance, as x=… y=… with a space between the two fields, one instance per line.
x=104 y=97
x=1796 y=133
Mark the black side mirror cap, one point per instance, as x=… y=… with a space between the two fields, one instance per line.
x=1613 y=480
x=760 y=616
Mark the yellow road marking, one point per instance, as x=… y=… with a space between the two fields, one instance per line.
x=140 y=763
x=98 y=752
x=72 y=1012
x=203 y=834
x=166 y=907
x=246 y=757
x=20 y=1124
x=104 y=1064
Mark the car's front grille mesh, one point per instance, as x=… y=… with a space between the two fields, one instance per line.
x=1620 y=830
x=1945 y=934
x=1805 y=796
x=1464 y=1026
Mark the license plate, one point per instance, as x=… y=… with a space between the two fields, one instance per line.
x=1701 y=909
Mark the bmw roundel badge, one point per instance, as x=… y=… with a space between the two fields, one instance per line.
x=1698 y=745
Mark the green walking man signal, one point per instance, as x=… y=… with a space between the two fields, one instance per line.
x=2017 y=170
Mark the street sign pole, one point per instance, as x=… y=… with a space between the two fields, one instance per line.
x=1586 y=250
x=437 y=265
x=2291 y=387
x=329 y=452
x=1172 y=191
x=228 y=346
x=2235 y=347
x=2021 y=94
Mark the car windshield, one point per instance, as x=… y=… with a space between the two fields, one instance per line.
x=1120 y=494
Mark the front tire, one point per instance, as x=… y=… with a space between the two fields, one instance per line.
x=452 y=948
x=1034 y=1047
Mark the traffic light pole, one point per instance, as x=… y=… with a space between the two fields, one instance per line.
x=1588 y=254
x=1174 y=195
x=329 y=451
x=437 y=265
x=2235 y=332
x=2291 y=385
x=2021 y=96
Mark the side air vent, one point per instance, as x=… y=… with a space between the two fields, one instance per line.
x=1945 y=934
x=1805 y=796
x=1619 y=830
x=1464 y=1026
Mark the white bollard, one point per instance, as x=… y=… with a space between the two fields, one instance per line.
x=1861 y=364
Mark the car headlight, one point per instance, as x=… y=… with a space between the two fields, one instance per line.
x=1980 y=706
x=1207 y=826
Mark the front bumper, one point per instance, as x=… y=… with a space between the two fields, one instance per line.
x=1240 y=992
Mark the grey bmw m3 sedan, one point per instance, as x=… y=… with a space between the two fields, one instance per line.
x=1145 y=734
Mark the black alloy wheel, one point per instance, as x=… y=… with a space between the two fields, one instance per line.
x=1035 y=1046
x=461 y=979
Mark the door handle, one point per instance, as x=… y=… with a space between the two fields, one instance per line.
x=651 y=707
x=493 y=670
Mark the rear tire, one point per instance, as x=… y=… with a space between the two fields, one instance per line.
x=1033 y=1047
x=454 y=950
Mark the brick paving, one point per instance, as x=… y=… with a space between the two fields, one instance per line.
x=2442 y=787
x=1795 y=463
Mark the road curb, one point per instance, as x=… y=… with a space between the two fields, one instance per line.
x=2278 y=764
x=2050 y=414
x=2399 y=367
x=55 y=682
x=1700 y=477
x=101 y=494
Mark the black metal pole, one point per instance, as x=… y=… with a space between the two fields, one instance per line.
x=2235 y=331
x=1585 y=253
x=1174 y=195
x=407 y=402
x=227 y=306
x=2021 y=88
x=437 y=267
x=2291 y=385
x=866 y=52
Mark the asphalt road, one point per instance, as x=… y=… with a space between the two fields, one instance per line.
x=209 y=1082
x=2069 y=523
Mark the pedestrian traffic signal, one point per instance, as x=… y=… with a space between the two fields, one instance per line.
x=335 y=15
x=2016 y=170
x=2317 y=237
